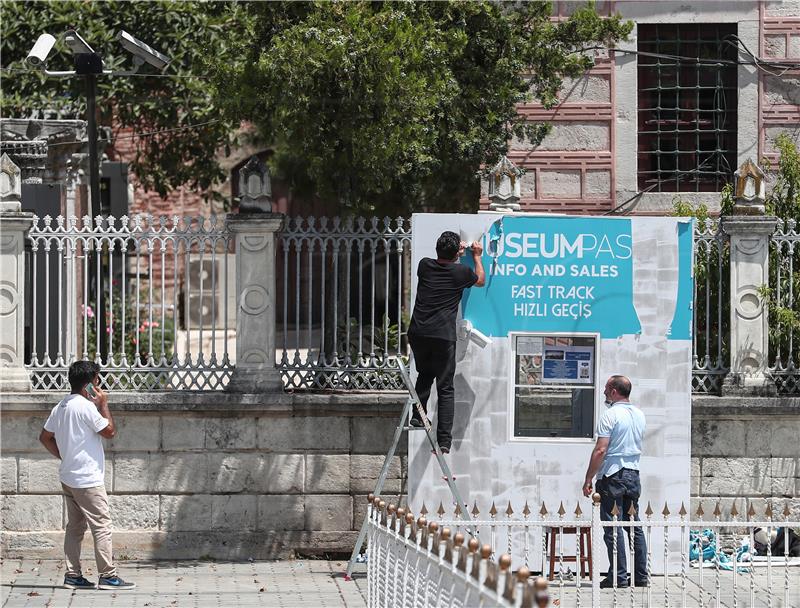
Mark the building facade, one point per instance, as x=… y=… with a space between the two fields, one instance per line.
x=694 y=92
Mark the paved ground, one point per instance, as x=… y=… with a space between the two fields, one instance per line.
x=170 y=584
x=310 y=583
x=691 y=596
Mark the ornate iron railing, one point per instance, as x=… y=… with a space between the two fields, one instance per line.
x=711 y=321
x=344 y=302
x=784 y=308
x=153 y=300
x=146 y=297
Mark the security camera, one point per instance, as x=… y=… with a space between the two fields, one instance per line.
x=143 y=51
x=38 y=54
x=77 y=44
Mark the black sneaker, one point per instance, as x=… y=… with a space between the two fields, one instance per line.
x=77 y=582
x=608 y=583
x=641 y=584
x=417 y=422
x=444 y=449
x=114 y=583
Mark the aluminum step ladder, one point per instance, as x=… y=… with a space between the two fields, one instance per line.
x=403 y=425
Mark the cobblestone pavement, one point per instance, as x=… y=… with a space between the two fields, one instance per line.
x=750 y=592
x=312 y=583
x=196 y=584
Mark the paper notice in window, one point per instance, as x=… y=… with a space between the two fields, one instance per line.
x=568 y=365
x=529 y=345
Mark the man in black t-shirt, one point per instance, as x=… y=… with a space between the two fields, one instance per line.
x=432 y=333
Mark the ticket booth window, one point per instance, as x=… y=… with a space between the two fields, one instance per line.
x=554 y=385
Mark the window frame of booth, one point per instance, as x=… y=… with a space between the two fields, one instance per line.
x=512 y=386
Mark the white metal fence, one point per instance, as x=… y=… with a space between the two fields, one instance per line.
x=344 y=302
x=413 y=564
x=147 y=298
x=154 y=301
x=711 y=319
x=784 y=283
x=704 y=561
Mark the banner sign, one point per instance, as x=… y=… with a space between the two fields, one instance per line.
x=565 y=274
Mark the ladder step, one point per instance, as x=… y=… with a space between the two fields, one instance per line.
x=413 y=428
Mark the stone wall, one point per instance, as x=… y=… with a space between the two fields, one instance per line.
x=746 y=451
x=218 y=475
x=232 y=477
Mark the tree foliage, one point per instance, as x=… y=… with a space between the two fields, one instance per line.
x=185 y=31
x=385 y=107
x=380 y=106
x=783 y=199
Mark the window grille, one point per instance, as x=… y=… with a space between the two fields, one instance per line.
x=687 y=107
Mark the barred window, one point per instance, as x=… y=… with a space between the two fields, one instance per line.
x=687 y=107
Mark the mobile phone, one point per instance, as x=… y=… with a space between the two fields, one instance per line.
x=90 y=390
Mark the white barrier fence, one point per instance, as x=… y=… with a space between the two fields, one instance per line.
x=708 y=563
x=414 y=564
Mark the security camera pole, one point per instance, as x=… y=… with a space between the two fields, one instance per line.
x=89 y=64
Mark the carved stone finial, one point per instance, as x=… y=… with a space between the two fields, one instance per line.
x=504 y=186
x=255 y=187
x=750 y=189
x=10 y=185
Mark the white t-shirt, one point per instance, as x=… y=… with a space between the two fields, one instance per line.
x=76 y=423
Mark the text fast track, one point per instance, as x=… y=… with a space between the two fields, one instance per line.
x=580 y=292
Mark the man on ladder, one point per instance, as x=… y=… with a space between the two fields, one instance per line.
x=433 y=341
x=432 y=333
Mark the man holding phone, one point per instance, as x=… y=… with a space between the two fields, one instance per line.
x=73 y=434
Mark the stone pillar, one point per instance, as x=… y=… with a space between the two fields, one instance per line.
x=504 y=186
x=749 y=230
x=255 y=295
x=13 y=226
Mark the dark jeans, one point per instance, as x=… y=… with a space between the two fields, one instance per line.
x=623 y=489
x=436 y=360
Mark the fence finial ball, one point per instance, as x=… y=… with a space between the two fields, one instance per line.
x=473 y=545
x=422 y=522
x=540 y=584
x=445 y=533
x=486 y=551
x=382 y=505
x=596 y=498
x=376 y=502
x=505 y=562
x=433 y=526
x=391 y=508
x=401 y=512
x=523 y=574
x=370 y=498
x=409 y=518
x=458 y=539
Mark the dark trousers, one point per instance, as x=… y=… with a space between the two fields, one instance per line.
x=623 y=489
x=436 y=360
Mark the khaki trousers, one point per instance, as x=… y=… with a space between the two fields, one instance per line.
x=88 y=507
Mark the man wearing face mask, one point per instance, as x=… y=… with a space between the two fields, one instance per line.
x=615 y=461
